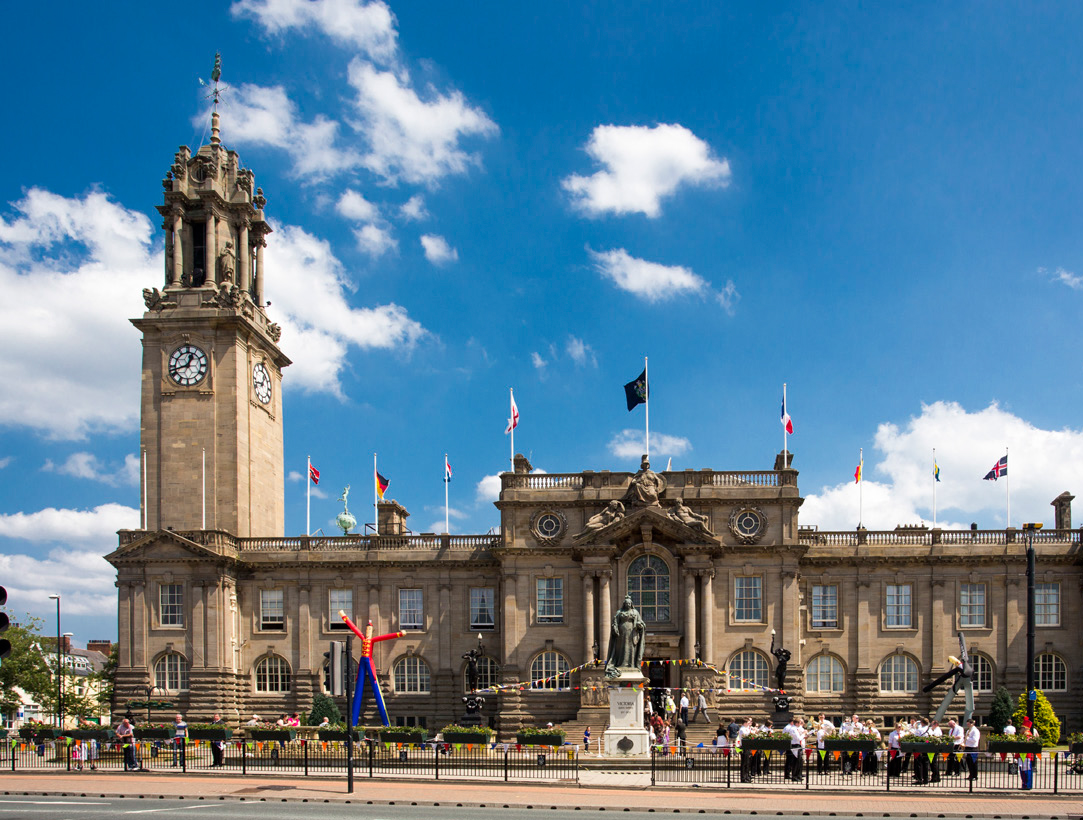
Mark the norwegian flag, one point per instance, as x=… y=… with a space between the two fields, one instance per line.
x=314 y=474
x=999 y=469
x=447 y=470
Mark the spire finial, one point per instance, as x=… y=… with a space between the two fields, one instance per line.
x=216 y=91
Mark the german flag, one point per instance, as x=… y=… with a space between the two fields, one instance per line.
x=381 y=485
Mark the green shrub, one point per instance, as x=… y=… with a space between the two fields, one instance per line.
x=1046 y=723
x=1000 y=712
x=323 y=706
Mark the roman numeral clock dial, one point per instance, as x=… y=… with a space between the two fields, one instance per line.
x=261 y=383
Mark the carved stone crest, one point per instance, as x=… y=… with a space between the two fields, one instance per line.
x=548 y=526
x=748 y=524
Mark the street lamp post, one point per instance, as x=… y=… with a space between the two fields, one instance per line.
x=59 y=669
x=1030 y=529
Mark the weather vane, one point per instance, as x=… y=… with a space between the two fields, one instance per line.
x=216 y=73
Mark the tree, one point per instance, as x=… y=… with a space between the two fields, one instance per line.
x=1000 y=712
x=1046 y=723
x=25 y=668
x=323 y=706
x=106 y=679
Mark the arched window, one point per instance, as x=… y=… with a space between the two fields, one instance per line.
x=550 y=671
x=1050 y=673
x=983 y=673
x=899 y=673
x=273 y=675
x=824 y=674
x=488 y=670
x=747 y=670
x=411 y=676
x=171 y=673
x=648 y=584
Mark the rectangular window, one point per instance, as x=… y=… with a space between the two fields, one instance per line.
x=411 y=611
x=748 y=598
x=825 y=606
x=897 y=606
x=550 y=600
x=339 y=599
x=482 y=610
x=1047 y=604
x=272 y=613
x=972 y=605
x=171 y=609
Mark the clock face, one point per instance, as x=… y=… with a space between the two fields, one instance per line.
x=261 y=383
x=187 y=365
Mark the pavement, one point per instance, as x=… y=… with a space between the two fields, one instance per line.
x=617 y=792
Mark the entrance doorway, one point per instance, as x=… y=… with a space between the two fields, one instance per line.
x=656 y=680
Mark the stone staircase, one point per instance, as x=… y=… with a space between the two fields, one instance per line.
x=698 y=732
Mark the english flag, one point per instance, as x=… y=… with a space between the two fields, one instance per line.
x=513 y=422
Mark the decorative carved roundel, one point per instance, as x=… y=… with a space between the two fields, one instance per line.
x=548 y=526
x=748 y=524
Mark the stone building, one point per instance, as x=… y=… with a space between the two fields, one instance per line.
x=222 y=611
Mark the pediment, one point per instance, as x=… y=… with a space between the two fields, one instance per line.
x=161 y=545
x=646 y=525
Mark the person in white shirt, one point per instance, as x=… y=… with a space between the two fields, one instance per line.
x=745 y=730
x=796 y=730
x=970 y=741
x=1009 y=729
x=955 y=731
x=869 y=760
x=894 y=766
x=824 y=729
x=684 y=707
x=852 y=761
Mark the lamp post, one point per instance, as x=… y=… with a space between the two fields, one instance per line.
x=65 y=643
x=59 y=669
x=1030 y=529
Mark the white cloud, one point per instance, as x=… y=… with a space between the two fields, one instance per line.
x=353 y=205
x=267 y=116
x=642 y=166
x=413 y=209
x=632 y=444
x=375 y=240
x=409 y=138
x=538 y=362
x=1065 y=277
x=728 y=297
x=369 y=27
x=295 y=476
x=1042 y=464
x=308 y=285
x=452 y=514
x=437 y=250
x=4 y=462
x=581 y=353
x=87 y=465
x=72 y=271
x=647 y=280
x=95 y=528
x=488 y=489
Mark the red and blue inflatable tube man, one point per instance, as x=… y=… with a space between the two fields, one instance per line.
x=366 y=670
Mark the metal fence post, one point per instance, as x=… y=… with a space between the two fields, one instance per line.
x=505 y=764
x=808 y=774
x=184 y=753
x=1055 y=767
x=372 y=756
x=577 y=767
x=244 y=757
x=304 y=748
x=436 y=756
x=887 y=769
x=728 y=754
x=652 y=765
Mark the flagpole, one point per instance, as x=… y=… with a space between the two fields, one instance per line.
x=934 y=488
x=1008 y=486
x=785 y=433
x=511 y=419
x=860 y=485
x=375 y=497
x=647 y=412
x=447 y=526
x=308 y=498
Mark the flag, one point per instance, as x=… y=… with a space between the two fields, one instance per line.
x=314 y=474
x=787 y=422
x=447 y=470
x=513 y=422
x=999 y=469
x=381 y=485
x=635 y=392
x=936 y=470
x=858 y=472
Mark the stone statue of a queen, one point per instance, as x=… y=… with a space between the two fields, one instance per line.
x=626 y=640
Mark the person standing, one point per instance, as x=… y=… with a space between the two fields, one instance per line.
x=218 y=746
x=126 y=737
x=684 y=707
x=921 y=760
x=970 y=742
x=586 y=739
x=1026 y=761
x=894 y=763
x=701 y=706
x=671 y=705
x=796 y=730
x=935 y=731
x=955 y=731
x=1009 y=729
x=180 y=737
x=742 y=737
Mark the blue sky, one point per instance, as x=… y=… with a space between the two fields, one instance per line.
x=878 y=207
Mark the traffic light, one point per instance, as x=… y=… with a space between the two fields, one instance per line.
x=337 y=668
x=5 y=644
x=327 y=668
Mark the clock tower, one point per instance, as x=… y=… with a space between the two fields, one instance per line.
x=211 y=406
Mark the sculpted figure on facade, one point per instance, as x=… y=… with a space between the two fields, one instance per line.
x=626 y=640
x=646 y=487
x=683 y=514
x=613 y=512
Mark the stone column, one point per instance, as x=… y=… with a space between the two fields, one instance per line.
x=178 y=248
x=304 y=632
x=707 y=607
x=212 y=248
x=139 y=625
x=242 y=256
x=510 y=620
x=689 y=585
x=259 y=270
x=443 y=659
x=124 y=623
x=197 y=625
x=588 y=617
x=606 y=613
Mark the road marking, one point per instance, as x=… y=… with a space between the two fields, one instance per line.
x=178 y=808
x=53 y=802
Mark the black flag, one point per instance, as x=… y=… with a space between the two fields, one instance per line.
x=636 y=390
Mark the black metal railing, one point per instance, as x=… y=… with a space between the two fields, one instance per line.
x=1051 y=772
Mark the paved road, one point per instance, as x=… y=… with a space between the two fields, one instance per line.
x=79 y=795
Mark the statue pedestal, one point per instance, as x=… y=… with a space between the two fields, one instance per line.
x=626 y=735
